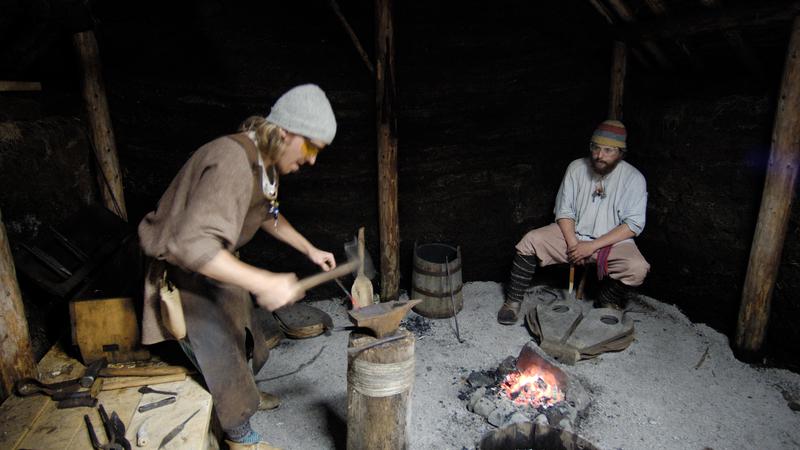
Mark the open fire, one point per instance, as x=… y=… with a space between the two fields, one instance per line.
x=534 y=387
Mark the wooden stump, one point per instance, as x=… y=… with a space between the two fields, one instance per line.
x=379 y=384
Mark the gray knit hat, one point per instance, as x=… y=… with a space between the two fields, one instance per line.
x=305 y=110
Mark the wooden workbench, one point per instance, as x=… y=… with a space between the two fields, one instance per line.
x=35 y=423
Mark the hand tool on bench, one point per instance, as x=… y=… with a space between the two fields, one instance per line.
x=149 y=390
x=29 y=386
x=176 y=431
x=158 y=404
x=114 y=428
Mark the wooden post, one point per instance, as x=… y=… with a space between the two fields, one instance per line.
x=385 y=92
x=618 y=69
x=16 y=359
x=379 y=385
x=94 y=94
x=776 y=205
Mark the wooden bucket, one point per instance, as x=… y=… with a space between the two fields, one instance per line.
x=431 y=284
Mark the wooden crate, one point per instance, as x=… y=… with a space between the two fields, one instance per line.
x=106 y=327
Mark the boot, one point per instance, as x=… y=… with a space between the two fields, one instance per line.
x=262 y=445
x=268 y=401
x=522 y=270
x=613 y=294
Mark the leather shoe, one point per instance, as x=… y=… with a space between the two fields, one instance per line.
x=509 y=312
x=268 y=401
x=261 y=445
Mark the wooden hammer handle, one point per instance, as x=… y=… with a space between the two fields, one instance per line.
x=323 y=277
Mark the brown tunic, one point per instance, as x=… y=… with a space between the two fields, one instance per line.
x=214 y=203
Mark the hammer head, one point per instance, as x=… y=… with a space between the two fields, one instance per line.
x=92 y=372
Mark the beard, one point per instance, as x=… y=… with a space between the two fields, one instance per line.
x=603 y=168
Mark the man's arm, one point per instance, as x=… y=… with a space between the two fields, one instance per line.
x=272 y=290
x=285 y=232
x=578 y=253
x=567 y=227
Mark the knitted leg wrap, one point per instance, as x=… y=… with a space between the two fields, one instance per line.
x=522 y=270
x=613 y=294
x=243 y=434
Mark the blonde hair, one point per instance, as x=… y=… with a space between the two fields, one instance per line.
x=268 y=137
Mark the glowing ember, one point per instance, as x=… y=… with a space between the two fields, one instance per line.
x=533 y=388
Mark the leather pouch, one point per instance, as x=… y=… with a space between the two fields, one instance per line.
x=171 y=308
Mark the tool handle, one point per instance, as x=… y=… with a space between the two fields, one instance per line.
x=571 y=277
x=361 y=251
x=111 y=385
x=323 y=277
x=141 y=371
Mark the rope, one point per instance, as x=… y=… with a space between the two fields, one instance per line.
x=381 y=380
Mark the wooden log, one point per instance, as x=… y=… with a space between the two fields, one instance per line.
x=625 y=13
x=748 y=15
x=618 y=69
x=94 y=94
x=776 y=205
x=745 y=51
x=349 y=30
x=607 y=15
x=385 y=92
x=11 y=86
x=16 y=359
x=379 y=384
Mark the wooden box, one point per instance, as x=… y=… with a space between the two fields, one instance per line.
x=106 y=327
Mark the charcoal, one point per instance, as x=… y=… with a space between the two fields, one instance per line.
x=477 y=395
x=480 y=379
x=418 y=325
x=484 y=407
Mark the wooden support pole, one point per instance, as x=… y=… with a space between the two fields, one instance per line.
x=618 y=69
x=94 y=94
x=776 y=205
x=16 y=357
x=385 y=93
x=379 y=385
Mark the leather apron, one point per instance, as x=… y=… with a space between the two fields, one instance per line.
x=219 y=316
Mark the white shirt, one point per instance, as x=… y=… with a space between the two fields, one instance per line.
x=624 y=199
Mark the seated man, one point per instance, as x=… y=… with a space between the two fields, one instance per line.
x=600 y=208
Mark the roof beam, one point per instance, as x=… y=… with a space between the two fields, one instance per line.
x=718 y=20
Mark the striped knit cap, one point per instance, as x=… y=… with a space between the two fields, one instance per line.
x=611 y=133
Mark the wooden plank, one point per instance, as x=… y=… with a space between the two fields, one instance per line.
x=776 y=206
x=17 y=416
x=106 y=327
x=159 y=422
x=52 y=428
x=35 y=423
